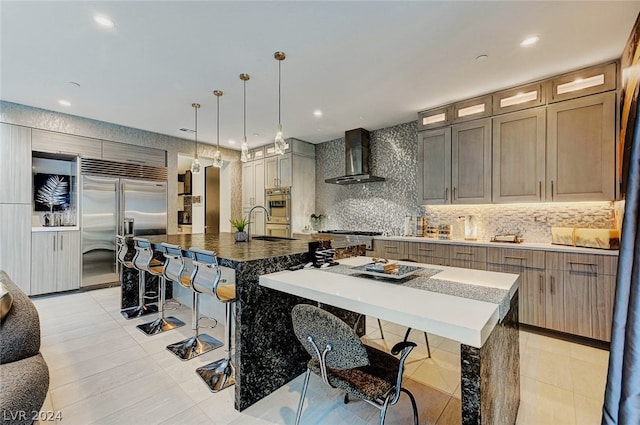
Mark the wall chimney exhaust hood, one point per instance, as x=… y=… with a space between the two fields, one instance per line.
x=356 y=159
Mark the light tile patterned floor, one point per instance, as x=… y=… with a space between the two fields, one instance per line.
x=105 y=371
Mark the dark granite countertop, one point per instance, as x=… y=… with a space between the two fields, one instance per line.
x=227 y=248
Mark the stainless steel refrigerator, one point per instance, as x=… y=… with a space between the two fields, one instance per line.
x=113 y=206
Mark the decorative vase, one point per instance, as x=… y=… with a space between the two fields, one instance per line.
x=241 y=236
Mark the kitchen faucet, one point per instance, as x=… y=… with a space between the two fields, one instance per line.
x=249 y=220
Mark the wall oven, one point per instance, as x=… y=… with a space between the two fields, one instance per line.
x=278 y=202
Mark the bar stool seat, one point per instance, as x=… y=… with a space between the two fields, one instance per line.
x=220 y=374
x=141 y=309
x=197 y=344
x=145 y=261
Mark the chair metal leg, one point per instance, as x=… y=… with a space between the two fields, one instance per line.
x=161 y=324
x=426 y=339
x=196 y=345
x=302 y=394
x=141 y=309
x=413 y=405
x=380 y=326
x=221 y=374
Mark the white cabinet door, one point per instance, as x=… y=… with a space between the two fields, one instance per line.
x=15 y=164
x=44 y=248
x=271 y=174
x=247 y=185
x=15 y=243
x=285 y=170
x=68 y=261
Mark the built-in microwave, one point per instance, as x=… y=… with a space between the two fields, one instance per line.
x=278 y=202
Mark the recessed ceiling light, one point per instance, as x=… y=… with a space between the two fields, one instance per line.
x=104 y=21
x=317 y=113
x=530 y=40
x=481 y=58
x=232 y=142
x=64 y=102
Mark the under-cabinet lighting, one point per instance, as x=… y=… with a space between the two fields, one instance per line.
x=580 y=84
x=434 y=118
x=475 y=109
x=519 y=98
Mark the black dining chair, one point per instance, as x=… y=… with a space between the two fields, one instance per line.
x=343 y=361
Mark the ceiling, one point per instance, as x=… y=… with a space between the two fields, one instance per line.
x=364 y=64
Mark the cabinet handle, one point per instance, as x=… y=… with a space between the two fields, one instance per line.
x=61 y=246
x=552 y=190
x=54 y=242
x=553 y=281
x=446 y=193
x=454 y=197
x=541 y=285
x=540 y=190
x=464 y=253
x=137 y=161
x=425 y=249
x=514 y=258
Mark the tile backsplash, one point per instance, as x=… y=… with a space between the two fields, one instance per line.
x=382 y=206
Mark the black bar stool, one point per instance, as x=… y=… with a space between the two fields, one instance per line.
x=144 y=261
x=199 y=343
x=123 y=254
x=221 y=373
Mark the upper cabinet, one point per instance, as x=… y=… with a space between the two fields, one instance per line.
x=434 y=166
x=471 y=162
x=596 y=79
x=581 y=149
x=278 y=171
x=15 y=164
x=547 y=141
x=144 y=155
x=48 y=141
x=519 y=156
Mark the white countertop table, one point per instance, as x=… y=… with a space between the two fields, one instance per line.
x=466 y=320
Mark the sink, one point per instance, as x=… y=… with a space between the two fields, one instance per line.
x=273 y=238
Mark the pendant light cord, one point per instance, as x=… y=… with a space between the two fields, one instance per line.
x=244 y=82
x=279 y=81
x=218 y=122
x=196 y=132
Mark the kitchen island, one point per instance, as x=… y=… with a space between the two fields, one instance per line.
x=477 y=308
x=267 y=354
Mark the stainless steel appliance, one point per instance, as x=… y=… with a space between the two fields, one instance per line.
x=110 y=206
x=278 y=202
x=353 y=236
x=356 y=159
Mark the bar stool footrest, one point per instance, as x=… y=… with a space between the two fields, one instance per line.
x=172 y=305
x=194 y=346
x=218 y=375
x=137 y=311
x=161 y=324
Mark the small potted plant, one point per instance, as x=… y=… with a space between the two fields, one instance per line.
x=240 y=224
x=316 y=220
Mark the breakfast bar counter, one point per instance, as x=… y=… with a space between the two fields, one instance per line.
x=267 y=354
x=477 y=308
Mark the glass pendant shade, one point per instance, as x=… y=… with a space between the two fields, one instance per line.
x=217 y=157
x=280 y=144
x=244 y=151
x=195 y=164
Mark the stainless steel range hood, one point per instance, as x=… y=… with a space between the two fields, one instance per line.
x=356 y=159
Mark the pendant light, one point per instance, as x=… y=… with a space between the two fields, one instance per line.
x=244 y=152
x=217 y=157
x=195 y=164
x=280 y=144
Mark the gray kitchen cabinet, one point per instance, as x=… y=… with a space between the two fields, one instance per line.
x=143 y=155
x=472 y=109
x=60 y=143
x=467 y=256
x=434 y=118
x=429 y=253
x=15 y=164
x=278 y=171
x=581 y=149
x=471 y=162
x=519 y=98
x=390 y=249
x=434 y=166
x=530 y=265
x=592 y=80
x=519 y=156
x=15 y=243
x=554 y=294
x=55 y=261
x=253 y=175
